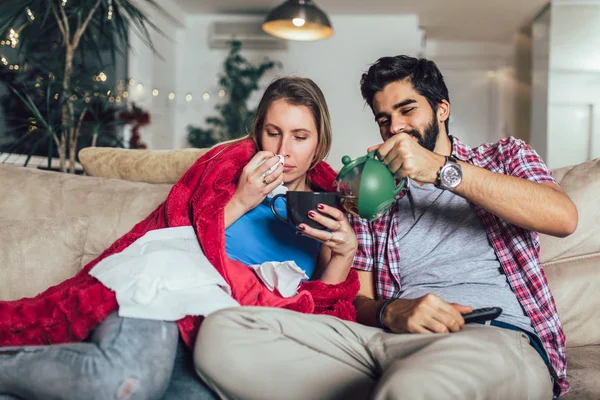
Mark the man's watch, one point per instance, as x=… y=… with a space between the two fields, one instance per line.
x=450 y=175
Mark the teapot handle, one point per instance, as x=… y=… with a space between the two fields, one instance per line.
x=400 y=186
x=402 y=182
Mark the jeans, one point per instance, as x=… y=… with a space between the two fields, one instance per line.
x=185 y=384
x=124 y=358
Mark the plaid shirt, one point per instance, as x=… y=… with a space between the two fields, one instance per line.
x=517 y=249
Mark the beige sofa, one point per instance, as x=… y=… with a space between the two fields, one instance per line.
x=51 y=224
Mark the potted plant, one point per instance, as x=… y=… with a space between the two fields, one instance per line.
x=57 y=39
x=238 y=81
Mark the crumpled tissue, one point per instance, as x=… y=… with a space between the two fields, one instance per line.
x=284 y=276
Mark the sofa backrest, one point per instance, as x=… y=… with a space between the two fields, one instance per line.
x=52 y=224
x=572 y=264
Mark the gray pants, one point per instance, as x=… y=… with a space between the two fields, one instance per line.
x=125 y=358
x=265 y=353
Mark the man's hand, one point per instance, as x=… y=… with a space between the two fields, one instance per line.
x=427 y=314
x=405 y=157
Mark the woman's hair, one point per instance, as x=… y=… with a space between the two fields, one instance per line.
x=297 y=91
x=300 y=92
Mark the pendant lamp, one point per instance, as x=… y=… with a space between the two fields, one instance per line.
x=298 y=20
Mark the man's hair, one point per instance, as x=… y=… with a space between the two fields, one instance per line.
x=423 y=74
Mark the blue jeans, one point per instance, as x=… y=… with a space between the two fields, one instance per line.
x=124 y=358
x=185 y=383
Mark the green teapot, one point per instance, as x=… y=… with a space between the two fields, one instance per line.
x=366 y=187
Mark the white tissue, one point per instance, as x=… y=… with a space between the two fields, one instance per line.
x=279 y=189
x=274 y=167
x=285 y=276
x=164 y=275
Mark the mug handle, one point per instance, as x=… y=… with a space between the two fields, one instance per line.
x=273 y=206
x=402 y=182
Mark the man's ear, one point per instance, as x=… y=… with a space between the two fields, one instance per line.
x=443 y=111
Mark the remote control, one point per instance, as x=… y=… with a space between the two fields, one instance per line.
x=482 y=314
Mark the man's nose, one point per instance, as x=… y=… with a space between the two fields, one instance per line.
x=398 y=125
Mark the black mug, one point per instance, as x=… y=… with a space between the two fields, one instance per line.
x=298 y=204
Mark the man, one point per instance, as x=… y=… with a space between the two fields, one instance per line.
x=462 y=236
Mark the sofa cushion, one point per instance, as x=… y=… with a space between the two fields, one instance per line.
x=151 y=166
x=38 y=253
x=583 y=370
x=582 y=183
x=574 y=283
x=112 y=206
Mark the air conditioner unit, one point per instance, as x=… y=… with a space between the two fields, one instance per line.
x=249 y=33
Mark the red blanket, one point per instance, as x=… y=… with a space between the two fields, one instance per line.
x=69 y=311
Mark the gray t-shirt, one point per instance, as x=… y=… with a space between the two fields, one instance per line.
x=445 y=251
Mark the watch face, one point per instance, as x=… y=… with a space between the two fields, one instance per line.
x=452 y=176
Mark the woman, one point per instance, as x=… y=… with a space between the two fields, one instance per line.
x=133 y=358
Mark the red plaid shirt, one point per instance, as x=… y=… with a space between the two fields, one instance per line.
x=517 y=249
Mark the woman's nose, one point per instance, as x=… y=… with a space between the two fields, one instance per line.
x=284 y=146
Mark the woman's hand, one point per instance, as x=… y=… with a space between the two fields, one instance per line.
x=341 y=240
x=253 y=186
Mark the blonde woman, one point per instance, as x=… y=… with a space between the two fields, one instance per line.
x=223 y=196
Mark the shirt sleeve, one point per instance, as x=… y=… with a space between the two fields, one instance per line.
x=526 y=163
x=363 y=259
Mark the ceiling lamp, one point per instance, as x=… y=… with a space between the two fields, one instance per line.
x=298 y=20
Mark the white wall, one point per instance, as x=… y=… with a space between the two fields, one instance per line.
x=480 y=87
x=566 y=118
x=540 y=82
x=335 y=64
x=152 y=70
x=477 y=74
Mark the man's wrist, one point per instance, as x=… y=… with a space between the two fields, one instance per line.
x=439 y=162
x=381 y=313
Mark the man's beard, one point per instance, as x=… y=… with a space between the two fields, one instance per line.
x=429 y=138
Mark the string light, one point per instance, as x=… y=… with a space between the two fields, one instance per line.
x=111 y=99
x=87 y=99
x=110 y=10
x=13 y=36
x=118 y=99
x=206 y=96
x=155 y=92
x=171 y=96
x=4 y=61
x=3 y=43
x=222 y=93
x=108 y=93
x=132 y=82
x=64 y=3
x=188 y=97
x=125 y=94
x=30 y=14
x=140 y=87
